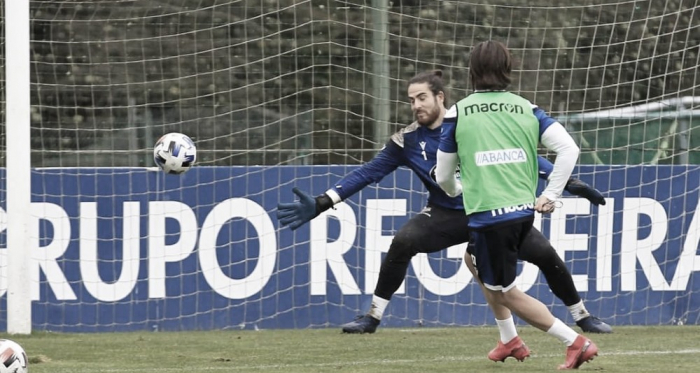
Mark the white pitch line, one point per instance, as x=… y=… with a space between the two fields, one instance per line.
x=230 y=366
x=419 y=330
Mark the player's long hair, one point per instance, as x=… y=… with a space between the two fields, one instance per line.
x=490 y=66
x=434 y=80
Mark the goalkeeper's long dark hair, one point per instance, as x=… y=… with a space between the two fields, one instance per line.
x=434 y=80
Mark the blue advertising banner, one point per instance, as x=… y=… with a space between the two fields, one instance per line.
x=134 y=249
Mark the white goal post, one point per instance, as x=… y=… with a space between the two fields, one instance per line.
x=18 y=178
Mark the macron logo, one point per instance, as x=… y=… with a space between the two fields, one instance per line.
x=500 y=157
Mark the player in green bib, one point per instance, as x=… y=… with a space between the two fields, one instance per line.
x=497 y=171
x=493 y=136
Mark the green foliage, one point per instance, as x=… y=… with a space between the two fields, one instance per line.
x=246 y=76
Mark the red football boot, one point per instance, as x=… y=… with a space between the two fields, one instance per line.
x=581 y=351
x=515 y=348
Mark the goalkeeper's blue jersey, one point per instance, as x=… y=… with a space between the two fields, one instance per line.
x=414 y=147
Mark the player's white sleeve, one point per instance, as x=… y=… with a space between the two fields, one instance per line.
x=445 y=173
x=556 y=138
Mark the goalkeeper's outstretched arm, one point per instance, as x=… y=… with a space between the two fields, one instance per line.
x=300 y=212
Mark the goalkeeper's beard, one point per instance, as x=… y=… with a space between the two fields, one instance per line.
x=430 y=117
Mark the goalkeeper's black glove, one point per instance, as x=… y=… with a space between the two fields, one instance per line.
x=300 y=212
x=581 y=189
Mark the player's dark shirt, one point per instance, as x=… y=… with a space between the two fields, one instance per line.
x=414 y=147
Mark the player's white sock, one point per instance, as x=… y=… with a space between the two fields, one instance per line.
x=378 y=306
x=507 y=329
x=578 y=311
x=563 y=332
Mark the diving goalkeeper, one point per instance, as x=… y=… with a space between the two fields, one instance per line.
x=442 y=222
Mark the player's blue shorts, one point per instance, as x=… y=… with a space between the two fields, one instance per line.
x=494 y=252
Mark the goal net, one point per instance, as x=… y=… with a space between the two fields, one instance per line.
x=278 y=94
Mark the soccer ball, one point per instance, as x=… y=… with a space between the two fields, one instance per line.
x=13 y=359
x=174 y=153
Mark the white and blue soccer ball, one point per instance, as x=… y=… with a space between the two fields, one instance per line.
x=13 y=359
x=174 y=153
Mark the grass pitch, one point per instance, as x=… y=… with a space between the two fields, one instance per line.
x=458 y=349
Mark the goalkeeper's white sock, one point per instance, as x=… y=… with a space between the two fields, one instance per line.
x=506 y=328
x=578 y=311
x=563 y=332
x=378 y=306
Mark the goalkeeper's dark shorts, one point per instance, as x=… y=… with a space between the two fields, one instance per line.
x=494 y=252
x=435 y=228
